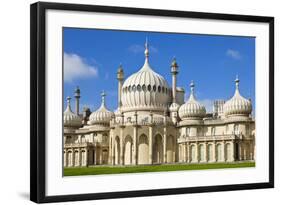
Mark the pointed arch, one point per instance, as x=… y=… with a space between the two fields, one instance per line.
x=117 y=150
x=158 y=149
x=219 y=152
x=228 y=152
x=143 y=155
x=128 y=153
x=170 y=149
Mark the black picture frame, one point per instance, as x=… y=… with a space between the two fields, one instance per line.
x=38 y=101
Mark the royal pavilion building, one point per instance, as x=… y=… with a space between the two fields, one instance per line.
x=154 y=125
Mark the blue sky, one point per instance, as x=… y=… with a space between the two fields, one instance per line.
x=91 y=59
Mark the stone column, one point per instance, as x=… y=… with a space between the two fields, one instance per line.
x=240 y=151
x=233 y=151
x=150 y=144
x=86 y=157
x=121 y=145
x=186 y=152
x=206 y=152
x=165 y=144
x=95 y=150
x=135 y=153
x=197 y=152
x=113 y=151
x=80 y=157
x=223 y=151
x=214 y=151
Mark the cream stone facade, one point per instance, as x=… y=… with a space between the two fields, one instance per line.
x=153 y=125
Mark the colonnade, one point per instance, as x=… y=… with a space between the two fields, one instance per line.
x=140 y=148
x=75 y=157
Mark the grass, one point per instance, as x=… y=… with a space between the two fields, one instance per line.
x=150 y=168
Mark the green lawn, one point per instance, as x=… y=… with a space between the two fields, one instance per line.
x=150 y=168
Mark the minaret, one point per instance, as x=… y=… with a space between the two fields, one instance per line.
x=120 y=78
x=77 y=97
x=174 y=71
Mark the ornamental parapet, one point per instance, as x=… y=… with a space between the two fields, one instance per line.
x=77 y=145
x=143 y=122
x=207 y=138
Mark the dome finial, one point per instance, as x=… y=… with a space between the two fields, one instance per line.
x=146 y=52
x=192 y=85
x=237 y=82
x=103 y=98
x=68 y=101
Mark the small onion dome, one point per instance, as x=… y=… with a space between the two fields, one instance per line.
x=101 y=115
x=192 y=109
x=70 y=119
x=237 y=105
x=174 y=107
x=145 y=89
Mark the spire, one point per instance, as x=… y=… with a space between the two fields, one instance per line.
x=68 y=107
x=103 y=98
x=192 y=85
x=237 y=85
x=146 y=51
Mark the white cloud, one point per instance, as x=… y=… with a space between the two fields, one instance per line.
x=233 y=54
x=208 y=103
x=140 y=48
x=75 y=67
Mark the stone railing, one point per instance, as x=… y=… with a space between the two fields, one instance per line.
x=145 y=121
x=78 y=144
x=207 y=138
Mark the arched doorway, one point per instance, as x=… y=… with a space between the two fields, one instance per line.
x=192 y=153
x=201 y=153
x=83 y=158
x=170 y=149
x=210 y=153
x=128 y=150
x=158 y=149
x=219 y=152
x=76 y=158
x=117 y=150
x=69 y=158
x=64 y=159
x=143 y=156
x=228 y=152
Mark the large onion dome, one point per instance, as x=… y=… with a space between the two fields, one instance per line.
x=192 y=109
x=70 y=119
x=145 y=89
x=101 y=115
x=237 y=105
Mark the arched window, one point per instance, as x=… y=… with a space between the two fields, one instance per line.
x=187 y=131
x=213 y=131
x=143 y=88
x=154 y=88
x=236 y=129
x=163 y=89
x=83 y=139
x=139 y=88
x=159 y=89
x=129 y=88
x=149 y=88
x=134 y=88
x=68 y=139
